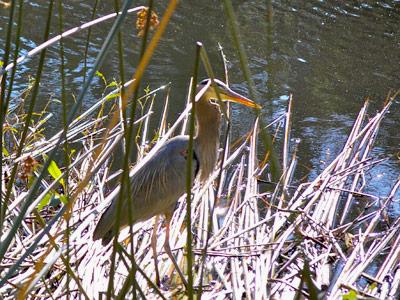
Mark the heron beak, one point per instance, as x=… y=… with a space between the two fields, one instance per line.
x=228 y=95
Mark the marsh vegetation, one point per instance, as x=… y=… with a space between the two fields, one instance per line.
x=256 y=230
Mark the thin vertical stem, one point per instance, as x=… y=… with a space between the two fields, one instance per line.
x=24 y=134
x=125 y=182
x=3 y=111
x=66 y=146
x=190 y=155
x=121 y=64
x=276 y=170
x=16 y=50
x=89 y=33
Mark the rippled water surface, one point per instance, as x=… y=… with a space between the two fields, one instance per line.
x=330 y=55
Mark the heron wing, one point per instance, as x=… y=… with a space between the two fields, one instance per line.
x=155 y=188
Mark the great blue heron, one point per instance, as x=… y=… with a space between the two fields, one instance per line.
x=161 y=181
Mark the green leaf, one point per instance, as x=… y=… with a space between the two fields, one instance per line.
x=52 y=199
x=372 y=286
x=45 y=201
x=55 y=172
x=351 y=295
x=5 y=152
x=63 y=199
x=99 y=74
x=1 y=63
x=112 y=96
x=112 y=84
x=71 y=153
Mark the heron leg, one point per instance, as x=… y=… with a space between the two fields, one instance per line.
x=167 y=248
x=154 y=247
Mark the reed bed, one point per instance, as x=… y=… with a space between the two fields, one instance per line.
x=256 y=233
x=281 y=243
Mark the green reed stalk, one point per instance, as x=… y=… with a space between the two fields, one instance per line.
x=89 y=33
x=35 y=91
x=16 y=50
x=3 y=111
x=276 y=170
x=125 y=182
x=189 y=168
x=121 y=61
x=66 y=146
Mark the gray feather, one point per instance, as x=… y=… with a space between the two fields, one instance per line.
x=155 y=189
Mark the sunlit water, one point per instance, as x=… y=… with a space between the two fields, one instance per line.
x=330 y=55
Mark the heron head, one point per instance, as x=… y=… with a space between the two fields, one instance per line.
x=211 y=91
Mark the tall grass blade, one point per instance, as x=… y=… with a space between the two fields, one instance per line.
x=189 y=168
x=265 y=136
x=3 y=108
x=5 y=243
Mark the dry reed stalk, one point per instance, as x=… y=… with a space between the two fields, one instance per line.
x=260 y=241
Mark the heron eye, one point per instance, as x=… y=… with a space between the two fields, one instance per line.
x=213 y=101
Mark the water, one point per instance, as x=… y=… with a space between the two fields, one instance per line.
x=329 y=55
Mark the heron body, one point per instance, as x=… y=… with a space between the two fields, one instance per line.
x=161 y=181
x=155 y=188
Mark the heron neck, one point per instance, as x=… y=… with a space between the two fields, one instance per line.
x=207 y=136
